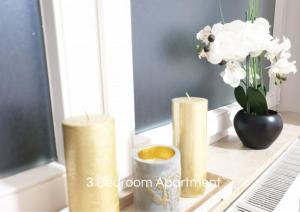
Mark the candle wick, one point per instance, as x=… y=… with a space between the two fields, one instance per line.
x=87 y=116
x=188 y=96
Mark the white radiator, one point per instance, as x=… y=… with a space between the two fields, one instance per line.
x=278 y=189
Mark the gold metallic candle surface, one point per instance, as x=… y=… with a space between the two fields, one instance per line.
x=190 y=136
x=89 y=143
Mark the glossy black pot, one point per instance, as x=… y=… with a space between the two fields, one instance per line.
x=258 y=132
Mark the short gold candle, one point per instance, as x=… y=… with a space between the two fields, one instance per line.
x=190 y=137
x=89 y=143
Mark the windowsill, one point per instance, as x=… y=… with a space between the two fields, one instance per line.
x=37 y=189
x=29 y=178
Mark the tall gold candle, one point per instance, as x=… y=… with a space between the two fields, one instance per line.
x=89 y=143
x=190 y=136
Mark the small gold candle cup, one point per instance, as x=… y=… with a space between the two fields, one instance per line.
x=154 y=153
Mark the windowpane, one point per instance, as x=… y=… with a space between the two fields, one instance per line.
x=26 y=130
x=165 y=61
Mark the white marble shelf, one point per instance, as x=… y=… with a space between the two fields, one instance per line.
x=229 y=158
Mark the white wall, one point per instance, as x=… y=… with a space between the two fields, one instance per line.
x=290 y=91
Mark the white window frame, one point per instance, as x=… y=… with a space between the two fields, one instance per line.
x=102 y=78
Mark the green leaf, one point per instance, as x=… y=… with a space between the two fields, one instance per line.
x=262 y=89
x=240 y=96
x=257 y=101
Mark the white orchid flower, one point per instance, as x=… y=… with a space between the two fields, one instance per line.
x=285 y=55
x=204 y=34
x=233 y=73
x=236 y=40
x=279 y=57
x=262 y=25
x=257 y=36
x=273 y=49
x=217 y=28
x=233 y=42
x=285 y=45
x=235 y=26
x=214 y=55
x=228 y=45
x=276 y=50
x=282 y=67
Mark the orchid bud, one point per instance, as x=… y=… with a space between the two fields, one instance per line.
x=206 y=48
x=211 y=38
x=223 y=62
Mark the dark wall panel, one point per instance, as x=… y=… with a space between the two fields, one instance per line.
x=164 y=56
x=26 y=131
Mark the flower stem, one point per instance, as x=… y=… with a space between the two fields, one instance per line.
x=255 y=71
x=221 y=11
x=247 y=81
x=244 y=83
x=261 y=71
x=253 y=10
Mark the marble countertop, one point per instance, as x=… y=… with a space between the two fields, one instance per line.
x=230 y=159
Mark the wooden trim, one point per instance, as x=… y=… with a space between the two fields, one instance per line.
x=127 y=199
x=210 y=176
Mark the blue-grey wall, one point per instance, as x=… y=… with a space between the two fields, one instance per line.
x=165 y=61
x=26 y=131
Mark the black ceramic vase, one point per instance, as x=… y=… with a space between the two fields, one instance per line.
x=258 y=132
